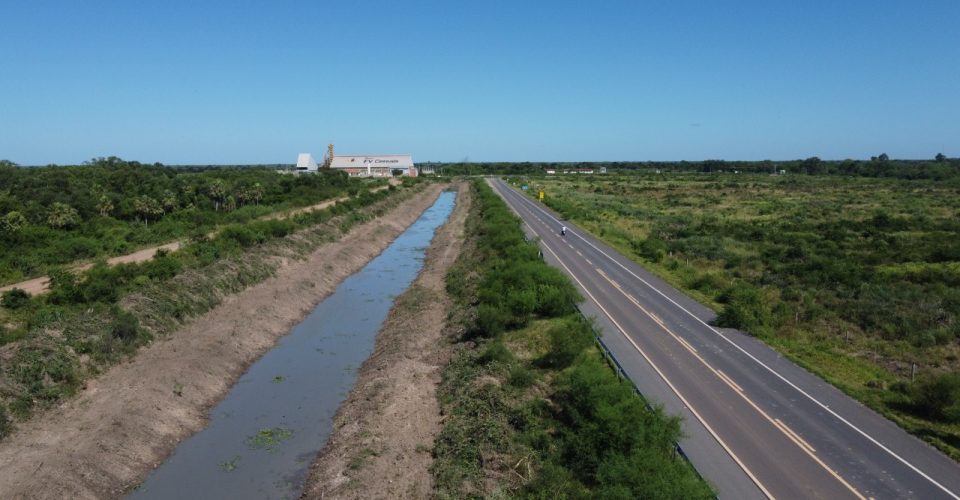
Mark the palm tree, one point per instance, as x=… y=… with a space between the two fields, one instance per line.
x=169 y=201
x=12 y=222
x=104 y=205
x=147 y=207
x=62 y=216
x=257 y=193
x=218 y=191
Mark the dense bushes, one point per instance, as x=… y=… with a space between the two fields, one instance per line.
x=612 y=443
x=939 y=397
x=14 y=298
x=516 y=284
x=746 y=308
x=55 y=215
x=533 y=411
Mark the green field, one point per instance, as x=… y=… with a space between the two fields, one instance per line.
x=857 y=279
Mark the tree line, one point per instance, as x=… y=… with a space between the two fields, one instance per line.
x=938 y=168
x=54 y=215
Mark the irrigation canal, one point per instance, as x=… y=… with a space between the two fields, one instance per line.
x=263 y=436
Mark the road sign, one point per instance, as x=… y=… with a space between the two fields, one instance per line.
x=541 y=195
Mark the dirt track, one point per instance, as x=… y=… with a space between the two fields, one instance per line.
x=384 y=431
x=41 y=285
x=102 y=442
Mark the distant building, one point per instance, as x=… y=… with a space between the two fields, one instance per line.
x=306 y=163
x=374 y=165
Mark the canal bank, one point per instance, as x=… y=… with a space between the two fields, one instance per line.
x=102 y=442
x=385 y=430
x=261 y=437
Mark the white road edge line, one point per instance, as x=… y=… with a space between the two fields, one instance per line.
x=761 y=363
x=657 y=369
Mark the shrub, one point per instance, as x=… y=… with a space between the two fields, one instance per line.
x=125 y=326
x=496 y=352
x=163 y=267
x=939 y=397
x=64 y=287
x=6 y=426
x=745 y=308
x=567 y=341
x=47 y=372
x=242 y=235
x=520 y=377
x=491 y=320
x=15 y=298
x=652 y=249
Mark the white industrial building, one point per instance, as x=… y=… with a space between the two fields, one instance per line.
x=374 y=165
x=306 y=163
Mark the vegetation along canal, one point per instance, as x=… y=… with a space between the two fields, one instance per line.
x=262 y=437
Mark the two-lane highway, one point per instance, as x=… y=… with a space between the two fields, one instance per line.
x=756 y=424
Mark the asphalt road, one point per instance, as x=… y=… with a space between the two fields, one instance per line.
x=756 y=424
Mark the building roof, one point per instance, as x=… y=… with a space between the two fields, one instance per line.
x=305 y=161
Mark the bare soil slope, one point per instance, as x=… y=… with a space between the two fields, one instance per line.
x=105 y=440
x=384 y=431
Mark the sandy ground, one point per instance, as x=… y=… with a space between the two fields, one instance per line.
x=41 y=285
x=102 y=442
x=384 y=431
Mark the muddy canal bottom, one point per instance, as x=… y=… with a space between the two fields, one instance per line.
x=262 y=438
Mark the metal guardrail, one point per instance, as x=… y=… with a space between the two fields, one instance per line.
x=622 y=374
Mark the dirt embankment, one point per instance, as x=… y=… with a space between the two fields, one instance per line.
x=384 y=431
x=105 y=440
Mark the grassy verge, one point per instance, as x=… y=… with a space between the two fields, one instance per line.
x=532 y=410
x=854 y=279
x=88 y=321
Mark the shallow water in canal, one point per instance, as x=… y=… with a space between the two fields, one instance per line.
x=263 y=436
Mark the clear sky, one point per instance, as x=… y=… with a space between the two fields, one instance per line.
x=259 y=81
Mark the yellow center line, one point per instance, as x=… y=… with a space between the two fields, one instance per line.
x=663 y=377
x=806 y=448
x=794 y=434
x=689 y=347
x=729 y=380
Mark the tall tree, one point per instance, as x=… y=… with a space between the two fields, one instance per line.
x=11 y=223
x=218 y=192
x=148 y=208
x=940 y=158
x=104 y=205
x=169 y=201
x=256 y=193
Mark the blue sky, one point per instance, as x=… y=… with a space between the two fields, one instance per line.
x=260 y=81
